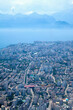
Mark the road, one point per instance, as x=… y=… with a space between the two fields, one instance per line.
x=31 y=99
x=47 y=92
x=67 y=84
x=65 y=69
x=53 y=78
x=26 y=72
x=50 y=103
x=66 y=89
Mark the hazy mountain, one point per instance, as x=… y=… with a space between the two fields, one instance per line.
x=32 y=20
x=64 y=16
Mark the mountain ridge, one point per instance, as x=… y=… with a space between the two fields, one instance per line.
x=32 y=20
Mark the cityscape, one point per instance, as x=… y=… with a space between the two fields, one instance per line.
x=36 y=54
x=37 y=76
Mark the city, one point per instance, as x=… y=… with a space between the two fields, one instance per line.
x=37 y=76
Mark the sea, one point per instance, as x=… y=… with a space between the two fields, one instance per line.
x=10 y=36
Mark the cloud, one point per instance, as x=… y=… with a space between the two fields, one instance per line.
x=12 y=10
x=28 y=12
x=39 y=6
x=17 y=2
x=72 y=2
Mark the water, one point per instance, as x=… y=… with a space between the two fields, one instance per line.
x=14 y=36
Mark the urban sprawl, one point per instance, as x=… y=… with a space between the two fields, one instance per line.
x=37 y=76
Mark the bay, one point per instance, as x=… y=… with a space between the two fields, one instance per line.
x=14 y=36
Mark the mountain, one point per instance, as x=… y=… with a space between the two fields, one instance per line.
x=64 y=16
x=29 y=21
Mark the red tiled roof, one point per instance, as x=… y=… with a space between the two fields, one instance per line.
x=29 y=86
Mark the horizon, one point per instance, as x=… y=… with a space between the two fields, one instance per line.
x=19 y=17
x=15 y=36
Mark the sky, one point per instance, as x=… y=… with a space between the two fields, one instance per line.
x=38 y=6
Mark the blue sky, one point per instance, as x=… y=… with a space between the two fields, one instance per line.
x=30 y=6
